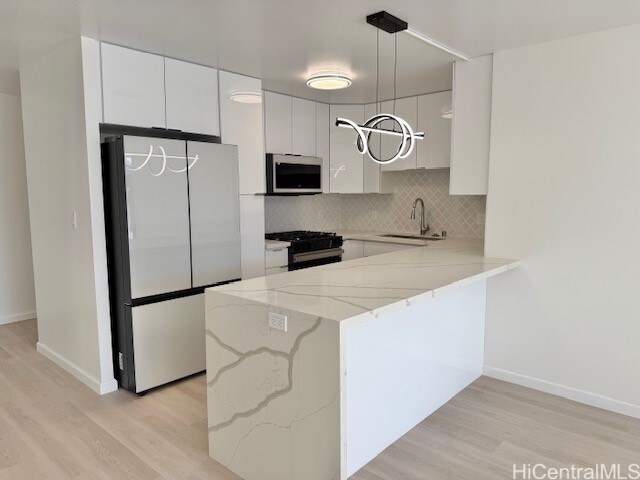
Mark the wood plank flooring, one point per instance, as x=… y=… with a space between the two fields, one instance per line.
x=54 y=427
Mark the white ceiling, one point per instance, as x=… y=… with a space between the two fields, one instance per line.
x=282 y=41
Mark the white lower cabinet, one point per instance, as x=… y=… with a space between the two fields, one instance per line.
x=378 y=248
x=276 y=258
x=275 y=270
x=352 y=249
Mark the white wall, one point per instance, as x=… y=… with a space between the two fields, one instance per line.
x=564 y=196
x=61 y=174
x=17 y=296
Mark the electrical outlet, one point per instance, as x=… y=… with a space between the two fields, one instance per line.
x=319 y=214
x=277 y=321
x=374 y=215
x=480 y=219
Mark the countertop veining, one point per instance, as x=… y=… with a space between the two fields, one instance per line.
x=369 y=286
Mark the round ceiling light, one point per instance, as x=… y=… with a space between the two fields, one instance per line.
x=329 y=81
x=247 y=97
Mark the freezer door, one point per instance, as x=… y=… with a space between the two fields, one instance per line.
x=168 y=340
x=215 y=213
x=157 y=215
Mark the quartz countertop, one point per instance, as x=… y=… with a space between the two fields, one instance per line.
x=275 y=244
x=368 y=287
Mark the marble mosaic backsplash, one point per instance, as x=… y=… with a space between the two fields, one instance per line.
x=457 y=214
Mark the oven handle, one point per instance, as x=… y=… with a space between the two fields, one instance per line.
x=307 y=256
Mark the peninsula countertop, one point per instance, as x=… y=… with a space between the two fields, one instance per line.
x=368 y=287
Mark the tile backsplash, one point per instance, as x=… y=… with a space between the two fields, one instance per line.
x=457 y=214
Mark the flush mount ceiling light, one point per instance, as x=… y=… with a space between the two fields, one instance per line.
x=247 y=97
x=329 y=81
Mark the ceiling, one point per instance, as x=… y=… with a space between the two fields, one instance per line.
x=282 y=41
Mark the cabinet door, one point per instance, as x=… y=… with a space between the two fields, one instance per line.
x=168 y=340
x=435 y=150
x=192 y=97
x=407 y=109
x=322 y=143
x=241 y=125
x=352 y=249
x=132 y=87
x=346 y=163
x=471 y=127
x=215 y=212
x=157 y=215
x=277 y=120
x=303 y=132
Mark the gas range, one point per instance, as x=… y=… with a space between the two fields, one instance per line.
x=309 y=249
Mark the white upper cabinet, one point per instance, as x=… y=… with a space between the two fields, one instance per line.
x=303 y=131
x=241 y=125
x=407 y=109
x=322 y=143
x=434 y=151
x=345 y=161
x=132 y=87
x=192 y=97
x=277 y=119
x=471 y=127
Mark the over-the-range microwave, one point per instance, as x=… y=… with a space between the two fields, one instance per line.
x=293 y=174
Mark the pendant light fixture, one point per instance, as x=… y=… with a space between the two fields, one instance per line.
x=390 y=24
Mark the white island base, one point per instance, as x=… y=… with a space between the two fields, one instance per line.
x=322 y=399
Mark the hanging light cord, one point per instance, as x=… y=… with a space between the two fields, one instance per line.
x=395 y=69
x=377 y=70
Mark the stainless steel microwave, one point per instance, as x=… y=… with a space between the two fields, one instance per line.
x=293 y=174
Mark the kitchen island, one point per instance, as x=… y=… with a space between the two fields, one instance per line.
x=369 y=348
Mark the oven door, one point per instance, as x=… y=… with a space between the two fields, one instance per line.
x=289 y=174
x=313 y=259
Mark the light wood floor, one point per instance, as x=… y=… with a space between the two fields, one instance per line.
x=53 y=427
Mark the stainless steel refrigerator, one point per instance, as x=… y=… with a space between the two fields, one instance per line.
x=173 y=228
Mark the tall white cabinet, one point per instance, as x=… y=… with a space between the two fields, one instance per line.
x=241 y=124
x=472 y=84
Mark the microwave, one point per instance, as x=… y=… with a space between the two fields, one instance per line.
x=293 y=174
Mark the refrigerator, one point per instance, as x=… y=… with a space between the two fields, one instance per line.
x=173 y=229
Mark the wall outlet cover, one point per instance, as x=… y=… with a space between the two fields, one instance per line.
x=277 y=321
x=374 y=215
x=480 y=219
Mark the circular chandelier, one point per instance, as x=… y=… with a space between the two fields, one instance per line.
x=407 y=142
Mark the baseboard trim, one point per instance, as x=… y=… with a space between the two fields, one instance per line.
x=98 y=387
x=17 y=317
x=571 y=393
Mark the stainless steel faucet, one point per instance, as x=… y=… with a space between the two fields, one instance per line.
x=424 y=226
